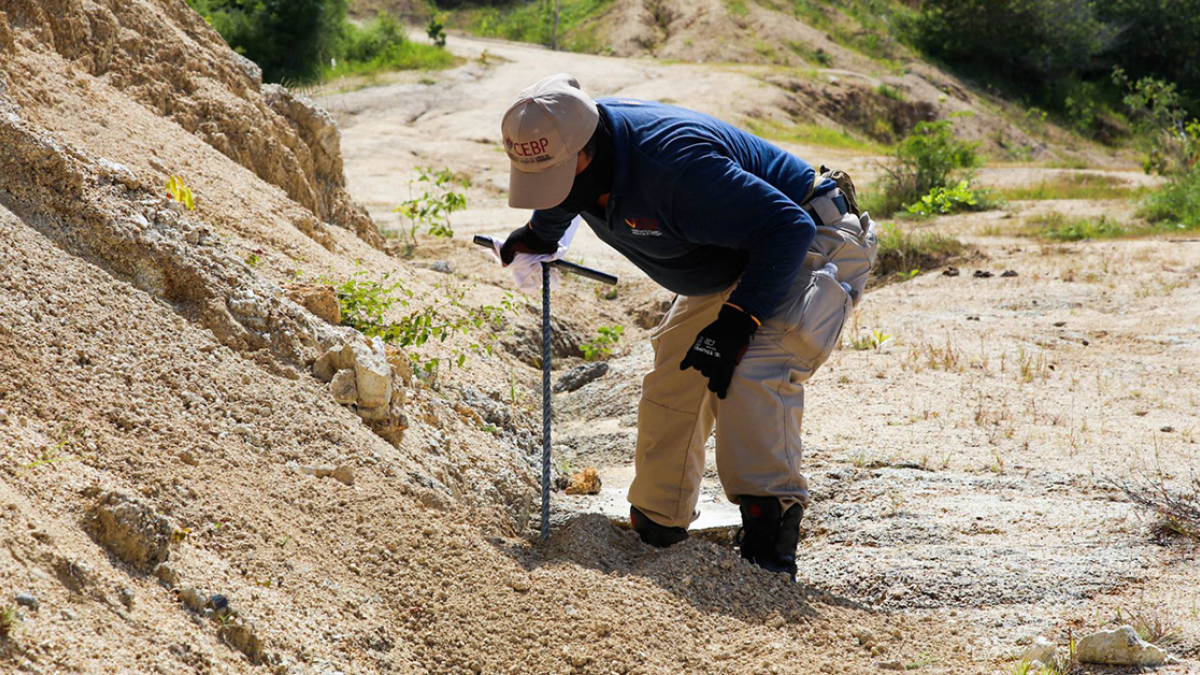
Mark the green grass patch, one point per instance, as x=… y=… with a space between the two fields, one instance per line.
x=1072 y=186
x=901 y=251
x=534 y=22
x=812 y=134
x=407 y=55
x=737 y=7
x=1056 y=226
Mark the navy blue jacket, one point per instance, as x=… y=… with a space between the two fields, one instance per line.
x=697 y=203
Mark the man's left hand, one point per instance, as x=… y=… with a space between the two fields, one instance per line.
x=720 y=346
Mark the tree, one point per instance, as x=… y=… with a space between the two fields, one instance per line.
x=288 y=39
x=1035 y=44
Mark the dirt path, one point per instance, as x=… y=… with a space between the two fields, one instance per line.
x=961 y=470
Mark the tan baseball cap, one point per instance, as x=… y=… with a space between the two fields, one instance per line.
x=544 y=130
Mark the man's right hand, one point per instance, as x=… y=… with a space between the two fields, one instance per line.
x=525 y=240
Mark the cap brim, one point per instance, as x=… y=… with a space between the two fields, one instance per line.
x=541 y=190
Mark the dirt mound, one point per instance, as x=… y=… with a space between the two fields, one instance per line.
x=166 y=58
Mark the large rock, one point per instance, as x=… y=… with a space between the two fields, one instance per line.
x=1118 y=647
x=373 y=374
x=369 y=376
x=132 y=531
x=580 y=375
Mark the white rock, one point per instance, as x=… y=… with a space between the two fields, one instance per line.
x=1118 y=647
x=1042 y=650
x=344 y=387
x=374 y=375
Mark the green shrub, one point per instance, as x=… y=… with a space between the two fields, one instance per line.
x=365 y=304
x=928 y=158
x=1172 y=147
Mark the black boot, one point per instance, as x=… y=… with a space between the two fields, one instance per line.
x=652 y=533
x=770 y=535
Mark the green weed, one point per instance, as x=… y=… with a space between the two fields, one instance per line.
x=603 y=344
x=944 y=201
x=873 y=340
x=433 y=207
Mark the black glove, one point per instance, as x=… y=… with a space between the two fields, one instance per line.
x=525 y=240
x=720 y=347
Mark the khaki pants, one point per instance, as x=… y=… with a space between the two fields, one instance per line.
x=759 y=422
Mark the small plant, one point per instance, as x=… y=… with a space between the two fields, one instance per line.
x=8 y=622
x=603 y=344
x=253 y=259
x=436 y=29
x=433 y=207
x=944 y=201
x=181 y=193
x=1177 y=510
x=873 y=340
x=50 y=456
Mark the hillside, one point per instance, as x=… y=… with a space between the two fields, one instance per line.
x=201 y=472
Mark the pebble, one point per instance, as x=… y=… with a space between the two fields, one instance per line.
x=127 y=597
x=28 y=600
x=1167 y=429
x=193 y=598
x=889 y=665
x=344 y=474
x=166 y=574
x=188 y=458
x=220 y=604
